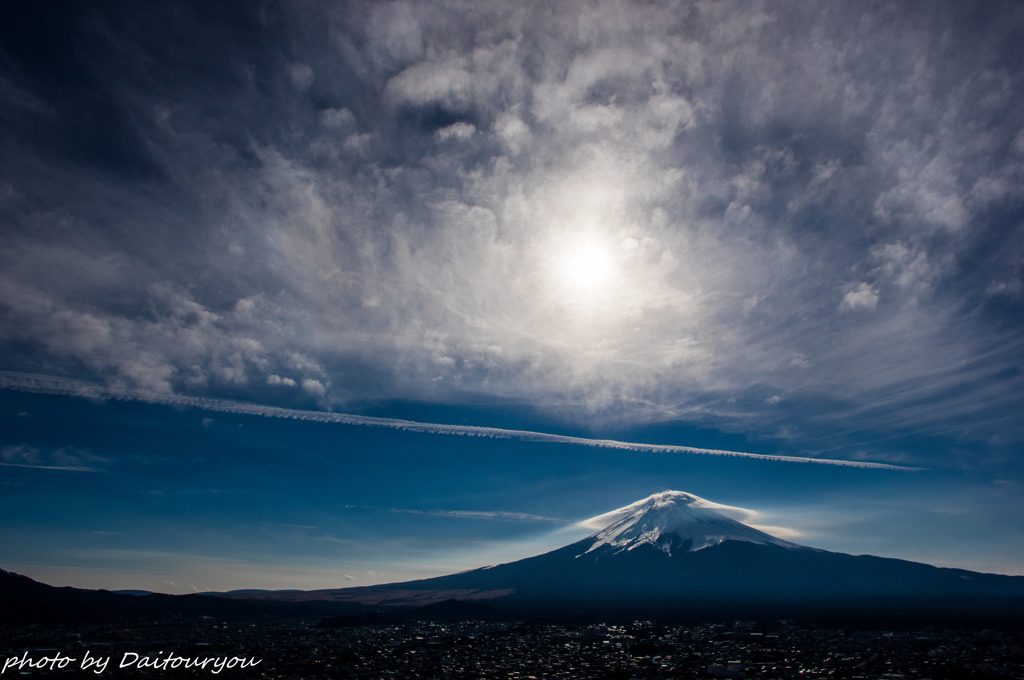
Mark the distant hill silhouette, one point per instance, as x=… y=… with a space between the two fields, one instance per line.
x=25 y=601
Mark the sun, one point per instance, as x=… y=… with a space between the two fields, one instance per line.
x=587 y=266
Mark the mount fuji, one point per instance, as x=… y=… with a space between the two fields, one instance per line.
x=672 y=555
x=676 y=554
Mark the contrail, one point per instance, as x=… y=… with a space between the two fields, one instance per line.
x=41 y=384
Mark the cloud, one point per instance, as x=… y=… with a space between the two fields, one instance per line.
x=458 y=130
x=387 y=193
x=301 y=76
x=48 y=385
x=442 y=82
x=910 y=270
x=313 y=386
x=338 y=119
x=480 y=514
x=68 y=459
x=863 y=296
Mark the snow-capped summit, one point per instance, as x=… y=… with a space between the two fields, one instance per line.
x=674 y=522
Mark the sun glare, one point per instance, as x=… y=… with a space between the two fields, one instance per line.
x=588 y=266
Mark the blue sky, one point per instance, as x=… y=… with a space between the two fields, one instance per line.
x=234 y=238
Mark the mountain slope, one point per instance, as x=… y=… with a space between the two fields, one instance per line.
x=675 y=552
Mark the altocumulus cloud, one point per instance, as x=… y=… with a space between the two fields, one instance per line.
x=311 y=205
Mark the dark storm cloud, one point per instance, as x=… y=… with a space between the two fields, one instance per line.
x=815 y=213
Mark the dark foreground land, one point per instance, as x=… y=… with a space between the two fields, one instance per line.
x=456 y=650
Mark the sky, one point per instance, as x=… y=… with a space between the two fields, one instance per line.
x=316 y=294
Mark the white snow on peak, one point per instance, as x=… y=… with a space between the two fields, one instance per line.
x=674 y=521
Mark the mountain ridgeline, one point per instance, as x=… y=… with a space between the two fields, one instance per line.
x=672 y=555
